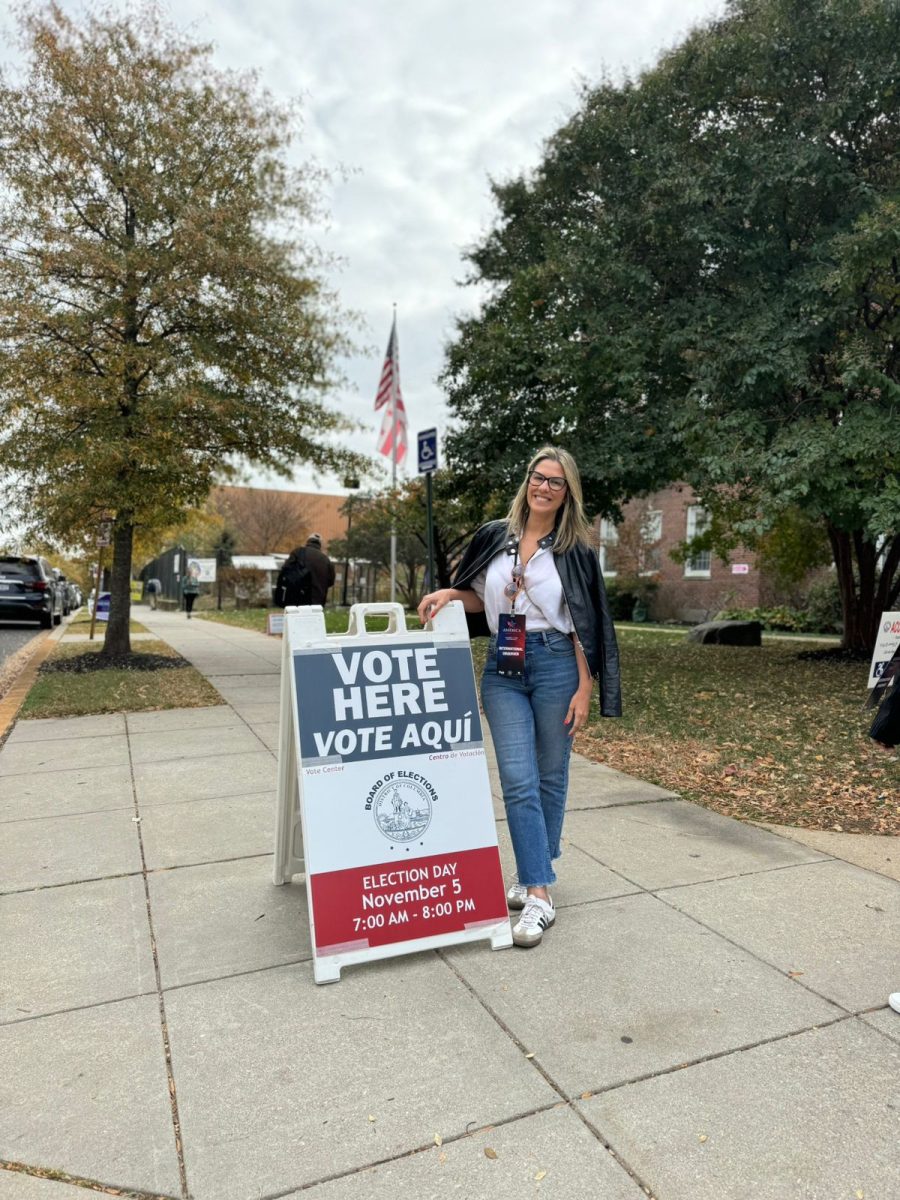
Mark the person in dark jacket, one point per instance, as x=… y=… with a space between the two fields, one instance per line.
x=533 y=583
x=306 y=576
x=885 y=733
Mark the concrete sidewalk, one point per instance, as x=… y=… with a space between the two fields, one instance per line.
x=706 y=1021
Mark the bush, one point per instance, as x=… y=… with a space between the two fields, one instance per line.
x=249 y=586
x=823 y=607
x=621 y=600
x=820 y=612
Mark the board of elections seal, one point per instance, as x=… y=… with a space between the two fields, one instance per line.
x=403 y=810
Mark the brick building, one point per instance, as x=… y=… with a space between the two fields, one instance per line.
x=272 y=521
x=636 y=556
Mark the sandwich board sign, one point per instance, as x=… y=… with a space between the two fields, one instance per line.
x=383 y=800
x=886 y=644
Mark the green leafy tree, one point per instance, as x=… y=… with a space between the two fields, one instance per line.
x=701 y=281
x=162 y=313
x=374 y=516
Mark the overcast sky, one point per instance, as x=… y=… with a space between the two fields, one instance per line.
x=421 y=101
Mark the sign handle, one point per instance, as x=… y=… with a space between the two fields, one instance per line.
x=356 y=625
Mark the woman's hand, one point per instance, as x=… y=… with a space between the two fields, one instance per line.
x=434 y=602
x=579 y=707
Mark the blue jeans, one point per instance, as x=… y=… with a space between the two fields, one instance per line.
x=526 y=717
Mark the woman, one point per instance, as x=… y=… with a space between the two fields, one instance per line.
x=533 y=582
x=190 y=588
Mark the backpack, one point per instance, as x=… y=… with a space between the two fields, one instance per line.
x=295 y=584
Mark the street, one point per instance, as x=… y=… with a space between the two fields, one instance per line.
x=13 y=636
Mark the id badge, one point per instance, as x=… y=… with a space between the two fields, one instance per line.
x=511 y=645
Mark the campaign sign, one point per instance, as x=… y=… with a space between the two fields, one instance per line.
x=103 y=606
x=399 y=838
x=885 y=644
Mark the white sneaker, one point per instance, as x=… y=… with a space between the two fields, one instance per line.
x=516 y=896
x=537 y=915
x=894 y=1001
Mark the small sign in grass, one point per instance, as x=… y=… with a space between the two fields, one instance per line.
x=69 y=684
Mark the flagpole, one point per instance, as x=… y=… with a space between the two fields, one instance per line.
x=394 y=390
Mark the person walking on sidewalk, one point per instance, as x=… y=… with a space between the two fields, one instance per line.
x=190 y=588
x=533 y=583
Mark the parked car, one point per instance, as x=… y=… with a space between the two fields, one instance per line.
x=29 y=590
x=71 y=593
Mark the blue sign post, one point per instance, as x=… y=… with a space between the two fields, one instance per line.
x=428 y=459
x=428 y=462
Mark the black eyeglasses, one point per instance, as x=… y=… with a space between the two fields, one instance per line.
x=555 y=484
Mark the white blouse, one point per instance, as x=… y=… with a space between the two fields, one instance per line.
x=541 y=597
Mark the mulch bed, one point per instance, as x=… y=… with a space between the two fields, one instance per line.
x=81 y=664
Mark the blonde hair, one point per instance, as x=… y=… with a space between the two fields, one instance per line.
x=572 y=526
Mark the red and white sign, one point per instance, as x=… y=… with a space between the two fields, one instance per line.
x=383 y=738
x=885 y=644
x=740 y=568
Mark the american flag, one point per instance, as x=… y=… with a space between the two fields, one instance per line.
x=393 y=424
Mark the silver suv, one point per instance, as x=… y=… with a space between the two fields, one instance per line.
x=29 y=590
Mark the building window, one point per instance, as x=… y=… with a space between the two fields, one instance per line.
x=609 y=539
x=698 y=566
x=651 y=536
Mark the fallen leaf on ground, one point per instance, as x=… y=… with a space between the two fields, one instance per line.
x=489 y=1152
x=438 y=1140
x=702 y=1137
x=540 y=1175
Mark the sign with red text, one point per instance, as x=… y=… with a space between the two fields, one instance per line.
x=886 y=643
x=399 y=837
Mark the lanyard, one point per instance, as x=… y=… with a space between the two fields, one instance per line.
x=513 y=588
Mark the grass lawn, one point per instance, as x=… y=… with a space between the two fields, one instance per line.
x=81 y=623
x=255 y=618
x=756 y=733
x=66 y=694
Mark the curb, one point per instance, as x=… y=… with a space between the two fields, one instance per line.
x=15 y=697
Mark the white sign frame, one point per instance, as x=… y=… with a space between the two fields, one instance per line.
x=886 y=643
x=304 y=631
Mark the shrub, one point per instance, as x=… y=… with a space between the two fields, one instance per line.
x=820 y=612
x=621 y=600
x=822 y=605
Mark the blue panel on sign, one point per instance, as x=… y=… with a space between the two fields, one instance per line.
x=402 y=699
x=427 y=441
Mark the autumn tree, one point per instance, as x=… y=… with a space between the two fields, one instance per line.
x=162 y=311
x=264 y=519
x=700 y=282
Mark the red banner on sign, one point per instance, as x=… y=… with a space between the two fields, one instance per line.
x=397 y=902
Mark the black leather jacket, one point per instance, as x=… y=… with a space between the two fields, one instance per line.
x=582 y=584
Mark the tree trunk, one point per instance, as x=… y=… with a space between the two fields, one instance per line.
x=863 y=586
x=118 y=637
